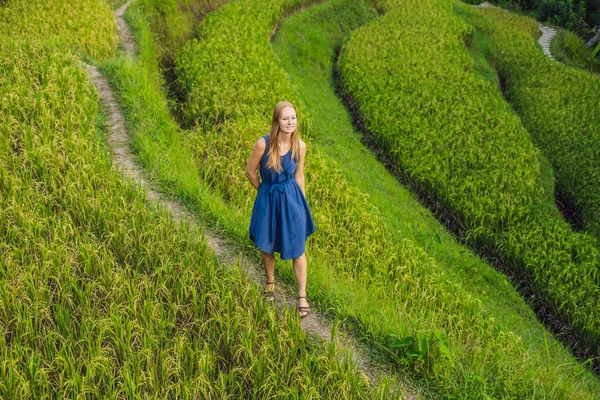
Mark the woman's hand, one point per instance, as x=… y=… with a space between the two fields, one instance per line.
x=254 y=162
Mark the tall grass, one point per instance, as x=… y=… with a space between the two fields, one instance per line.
x=570 y=49
x=462 y=147
x=102 y=296
x=557 y=104
x=86 y=27
x=377 y=282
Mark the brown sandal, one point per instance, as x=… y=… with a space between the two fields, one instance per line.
x=302 y=309
x=269 y=294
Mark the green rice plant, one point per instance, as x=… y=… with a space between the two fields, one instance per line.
x=375 y=281
x=169 y=25
x=87 y=27
x=101 y=295
x=557 y=105
x=172 y=23
x=463 y=148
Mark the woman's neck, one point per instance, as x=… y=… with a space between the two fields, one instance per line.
x=284 y=139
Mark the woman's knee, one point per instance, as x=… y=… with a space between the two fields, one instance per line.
x=300 y=258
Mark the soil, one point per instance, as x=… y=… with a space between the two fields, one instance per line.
x=124 y=32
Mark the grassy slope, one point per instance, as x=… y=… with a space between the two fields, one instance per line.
x=306 y=45
x=309 y=58
x=102 y=296
x=481 y=50
x=373 y=310
x=465 y=149
x=557 y=104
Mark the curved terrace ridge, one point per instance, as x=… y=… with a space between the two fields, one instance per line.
x=397 y=55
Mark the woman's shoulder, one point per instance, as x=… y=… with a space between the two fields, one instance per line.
x=302 y=147
x=261 y=143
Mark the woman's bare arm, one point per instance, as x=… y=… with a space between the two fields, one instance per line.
x=299 y=175
x=254 y=162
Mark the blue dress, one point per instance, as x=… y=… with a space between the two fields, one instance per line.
x=281 y=220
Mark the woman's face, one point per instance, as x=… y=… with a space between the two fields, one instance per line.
x=287 y=120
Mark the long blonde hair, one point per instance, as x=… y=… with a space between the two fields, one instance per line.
x=273 y=158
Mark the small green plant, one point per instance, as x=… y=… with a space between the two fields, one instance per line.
x=594 y=52
x=413 y=347
x=419 y=347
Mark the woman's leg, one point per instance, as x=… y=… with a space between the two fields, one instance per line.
x=268 y=261
x=300 y=272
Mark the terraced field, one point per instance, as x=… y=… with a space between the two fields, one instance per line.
x=557 y=104
x=103 y=295
x=465 y=149
x=145 y=307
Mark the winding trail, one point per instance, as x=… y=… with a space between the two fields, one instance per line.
x=545 y=40
x=124 y=32
x=127 y=164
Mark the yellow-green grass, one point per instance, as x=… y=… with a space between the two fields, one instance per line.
x=86 y=27
x=102 y=296
x=462 y=147
x=169 y=24
x=557 y=104
x=361 y=270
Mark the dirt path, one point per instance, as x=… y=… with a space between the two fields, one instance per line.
x=126 y=162
x=485 y=4
x=547 y=33
x=124 y=33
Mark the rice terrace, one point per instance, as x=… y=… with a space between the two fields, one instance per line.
x=452 y=171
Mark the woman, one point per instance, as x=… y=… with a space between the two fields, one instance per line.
x=281 y=220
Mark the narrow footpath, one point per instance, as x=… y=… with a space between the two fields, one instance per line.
x=126 y=162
